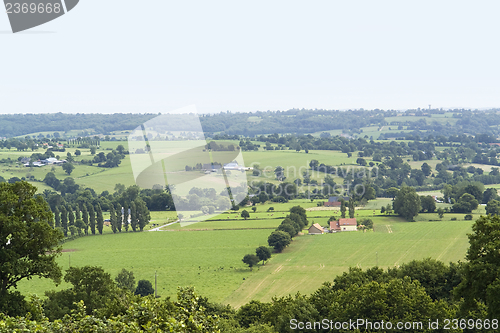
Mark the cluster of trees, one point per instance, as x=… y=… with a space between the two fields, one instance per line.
x=248 y=145
x=265 y=191
x=79 y=210
x=79 y=218
x=465 y=197
x=289 y=228
x=96 y=290
x=365 y=224
x=262 y=253
x=109 y=160
x=207 y=199
x=85 y=142
x=214 y=146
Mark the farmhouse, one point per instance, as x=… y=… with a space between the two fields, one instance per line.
x=343 y=225
x=316 y=229
x=334 y=201
x=235 y=166
x=48 y=161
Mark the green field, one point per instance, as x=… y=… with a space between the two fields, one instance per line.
x=208 y=254
x=101 y=179
x=314 y=259
x=209 y=260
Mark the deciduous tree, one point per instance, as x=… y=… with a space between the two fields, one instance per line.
x=125 y=280
x=428 y=204
x=481 y=275
x=68 y=168
x=144 y=288
x=279 y=240
x=407 y=203
x=245 y=214
x=28 y=245
x=493 y=207
x=263 y=252
x=251 y=260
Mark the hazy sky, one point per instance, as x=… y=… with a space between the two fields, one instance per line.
x=159 y=55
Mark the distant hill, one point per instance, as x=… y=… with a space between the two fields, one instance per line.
x=377 y=123
x=21 y=124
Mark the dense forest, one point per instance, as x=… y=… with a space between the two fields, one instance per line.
x=250 y=124
x=22 y=124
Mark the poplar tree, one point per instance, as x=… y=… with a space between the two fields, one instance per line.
x=112 y=218
x=100 y=219
x=119 y=217
x=77 y=213
x=64 y=220
x=71 y=216
x=57 y=217
x=125 y=216
x=342 y=208
x=351 y=207
x=143 y=215
x=92 y=219
x=133 y=216
x=85 y=218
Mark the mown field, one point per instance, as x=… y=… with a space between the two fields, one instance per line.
x=314 y=259
x=208 y=254
x=209 y=260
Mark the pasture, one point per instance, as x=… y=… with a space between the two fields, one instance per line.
x=208 y=254
x=210 y=260
x=314 y=259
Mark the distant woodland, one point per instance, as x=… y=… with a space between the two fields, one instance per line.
x=250 y=124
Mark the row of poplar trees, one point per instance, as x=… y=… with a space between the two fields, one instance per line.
x=347 y=204
x=80 y=218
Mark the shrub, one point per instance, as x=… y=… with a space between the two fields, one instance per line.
x=144 y=288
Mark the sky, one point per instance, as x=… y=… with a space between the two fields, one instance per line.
x=159 y=55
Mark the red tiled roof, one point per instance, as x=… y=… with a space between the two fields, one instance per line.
x=335 y=225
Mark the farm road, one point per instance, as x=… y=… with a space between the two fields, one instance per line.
x=165 y=225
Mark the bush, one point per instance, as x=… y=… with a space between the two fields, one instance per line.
x=453 y=218
x=144 y=288
x=468 y=217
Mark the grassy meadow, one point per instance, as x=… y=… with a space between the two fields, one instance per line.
x=208 y=254
x=209 y=260
x=314 y=259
